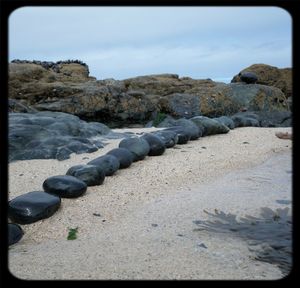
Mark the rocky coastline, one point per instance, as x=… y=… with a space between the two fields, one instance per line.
x=56 y=109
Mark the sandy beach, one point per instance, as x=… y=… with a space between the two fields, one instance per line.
x=139 y=223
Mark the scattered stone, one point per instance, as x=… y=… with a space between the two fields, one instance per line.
x=33 y=206
x=65 y=186
x=124 y=156
x=15 y=233
x=107 y=163
x=89 y=174
x=137 y=146
x=157 y=146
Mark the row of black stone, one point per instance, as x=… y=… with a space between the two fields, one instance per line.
x=34 y=206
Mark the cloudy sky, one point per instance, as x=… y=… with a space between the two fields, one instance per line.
x=124 y=42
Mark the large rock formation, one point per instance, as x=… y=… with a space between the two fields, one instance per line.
x=66 y=86
x=270 y=76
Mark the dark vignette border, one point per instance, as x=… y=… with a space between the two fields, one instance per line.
x=8 y=6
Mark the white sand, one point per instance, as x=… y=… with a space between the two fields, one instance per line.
x=171 y=191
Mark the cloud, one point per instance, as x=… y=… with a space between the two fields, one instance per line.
x=122 y=42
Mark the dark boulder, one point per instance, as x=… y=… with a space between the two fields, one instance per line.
x=245 y=119
x=124 y=156
x=157 y=146
x=15 y=233
x=275 y=119
x=182 y=134
x=209 y=126
x=65 y=186
x=108 y=163
x=225 y=120
x=32 y=206
x=248 y=77
x=52 y=135
x=137 y=146
x=193 y=130
x=170 y=138
x=91 y=175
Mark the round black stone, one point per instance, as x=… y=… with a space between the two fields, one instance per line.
x=248 y=77
x=91 y=175
x=137 y=146
x=183 y=135
x=124 y=156
x=108 y=163
x=15 y=233
x=169 y=138
x=32 y=206
x=65 y=186
x=157 y=146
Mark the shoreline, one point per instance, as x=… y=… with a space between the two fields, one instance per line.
x=123 y=195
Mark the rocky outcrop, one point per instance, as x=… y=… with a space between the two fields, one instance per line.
x=270 y=76
x=53 y=135
x=67 y=87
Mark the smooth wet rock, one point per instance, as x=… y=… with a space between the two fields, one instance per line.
x=182 y=134
x=170 y=138
x=107 y=163
x=210 y=126
x=137 y=146
x=189 y=126
x=15 y=233
x=91 y=175
x=32 y=206
x=275 y=119
x=157 y=146
x=245 y=119
x=248 y=77
x=226 y=120
x=52 y=135
x=124 y=156
x=65 y=186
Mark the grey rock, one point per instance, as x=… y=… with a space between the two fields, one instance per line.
x=52 y=135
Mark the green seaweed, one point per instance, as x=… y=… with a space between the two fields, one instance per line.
x=72 y=233
x=159 y=118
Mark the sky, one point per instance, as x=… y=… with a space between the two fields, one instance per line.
x=124 y=42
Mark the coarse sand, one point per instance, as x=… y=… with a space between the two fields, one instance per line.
x=139 y=223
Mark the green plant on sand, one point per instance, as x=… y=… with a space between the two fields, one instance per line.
x=72 y=233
